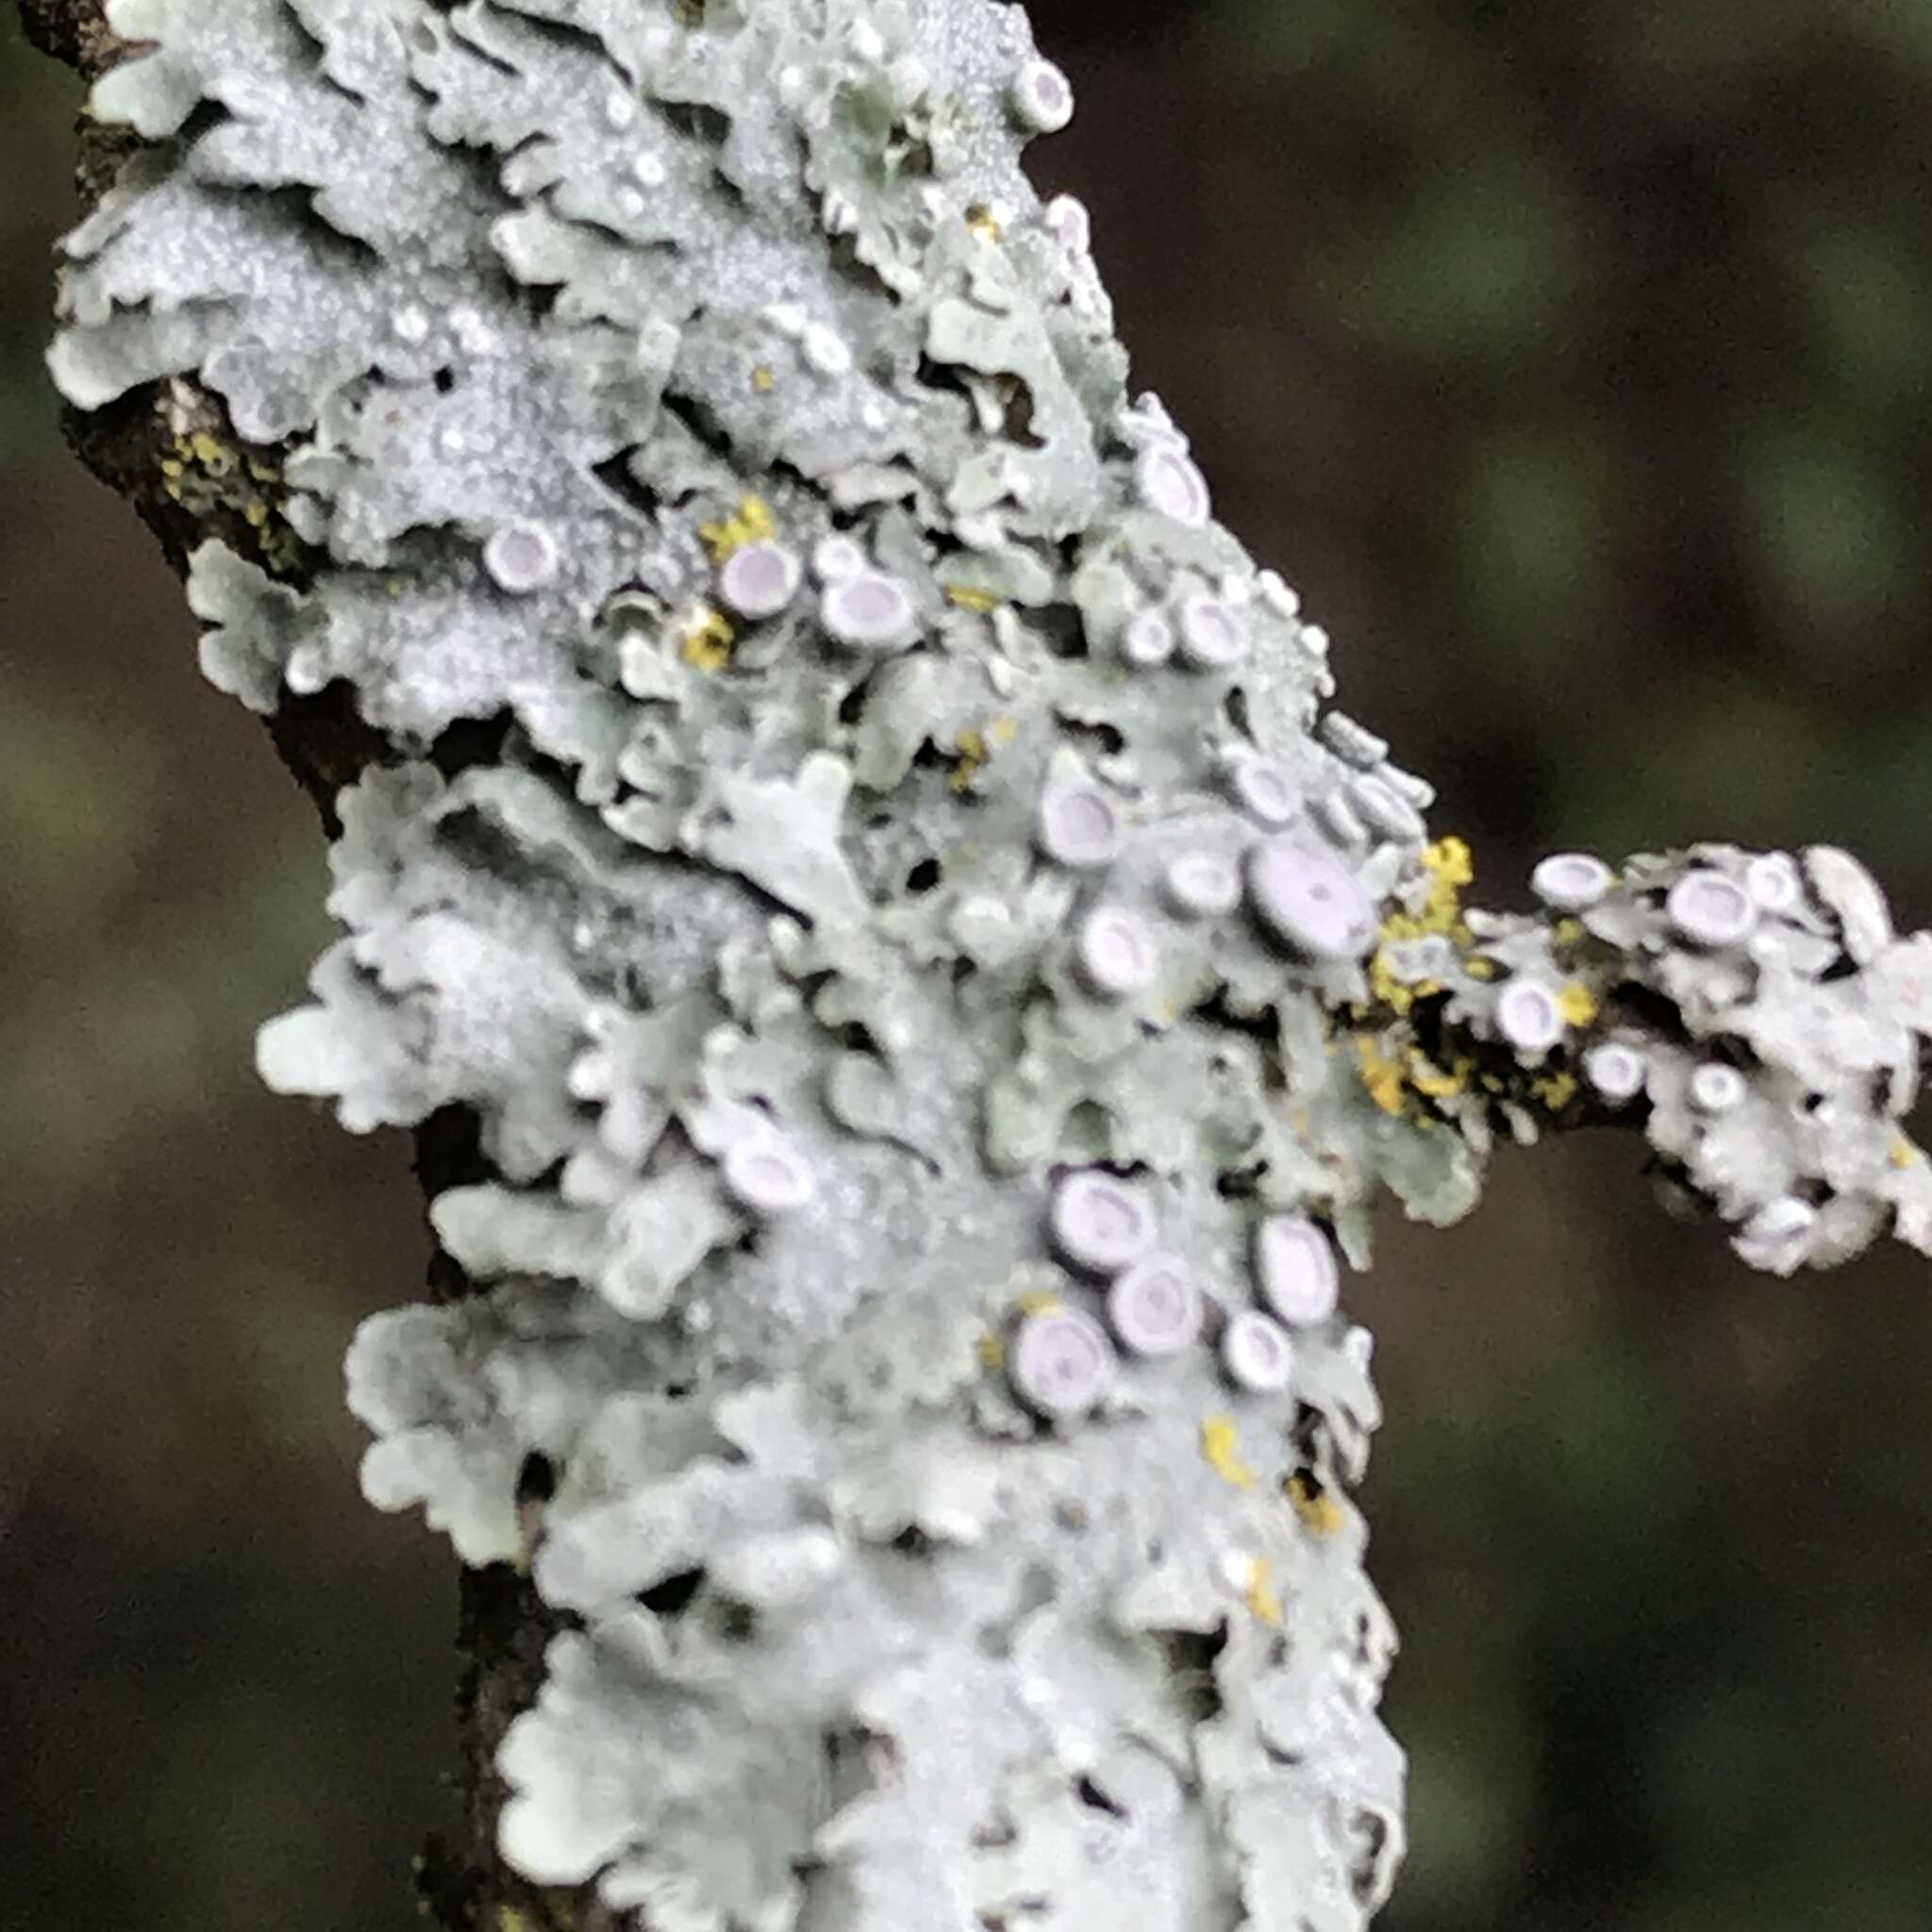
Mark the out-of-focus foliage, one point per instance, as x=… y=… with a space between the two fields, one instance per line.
x=1576 y=362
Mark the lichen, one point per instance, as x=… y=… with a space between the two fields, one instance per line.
x=906 y=800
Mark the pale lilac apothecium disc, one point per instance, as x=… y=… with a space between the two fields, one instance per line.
x=767 y=1175
x=1041 y=97
x=1212 y=634
x=1202 y=884
x=520 y=557
x=1716 y=1087
x=1264 y=790
x=1772 y=879
x=1117 y=952
x=1294 y=1269
x=1528 y=1017
x=1078 y=826
x=759 y=580
x=1068 y=222
x=1061 y=1363
x=1617 y=1072
x=869 y=611
x=1148 y=640
x=1171 y=483
x=1310 y=901
x=1256 y=1352
x=1710 y=909
x=1100 y=1223
x=1571 y=881
x=1154 y=1307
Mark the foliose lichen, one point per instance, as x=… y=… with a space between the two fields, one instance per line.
x=937 y=990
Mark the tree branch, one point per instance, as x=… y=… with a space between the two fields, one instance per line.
x=906 y=995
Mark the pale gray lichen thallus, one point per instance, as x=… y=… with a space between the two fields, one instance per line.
x=892 y=957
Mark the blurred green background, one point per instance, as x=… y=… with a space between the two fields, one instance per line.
x=1576 y=363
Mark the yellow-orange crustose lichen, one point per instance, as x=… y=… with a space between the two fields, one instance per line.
x=751 y=521
x=708 y=640
x=1221 y=1448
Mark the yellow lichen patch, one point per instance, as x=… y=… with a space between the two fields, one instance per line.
x=282 y=549
x=1569 y=932
x=764 y=378
x=750 y=523
x=512 y=1919
x=1263 y=1601
x=1449 y=868
x=1556 y=1090
x=1577 y=1004
x=209 y=452
x=970 y=747
x=1004 y=729
x=1313 y=1504
x=1390 y=991
x=984 y=222
x=993 y=1353
x=212 y=479
x=1429 y=1080
x=1452 y=862
x=1904 y=1154
x=1448 y=863
x=1221 y=1447
x=706 y=644
x=1040 y=1301
x=1381 y=1076
x=1480 y=969
x=970 y=598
